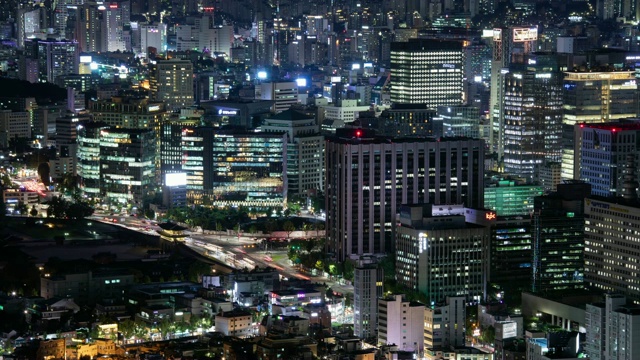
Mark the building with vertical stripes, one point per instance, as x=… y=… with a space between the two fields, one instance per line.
x=368 y=178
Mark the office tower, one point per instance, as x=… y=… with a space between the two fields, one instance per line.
x=305 y=149
x=367 y=288
x=116 y=165
x=53 y=58
x=284 y=94
x=532 y=115
x=460 y=121
x=368 y=177
x=402 y=120
x=558 y=238
x=612 y=329
x=14 y=124
x=254 y=165
x=593 y=97
x=172 y=82
x=114 y=18
x=129 y=112
x=611 y=254
x=153 y=36
x=441 y=255
x=28 y=24
x=508 y=197
x=427 y=71
x=444 y=324
x=509 y=46
x=511 y=253
x=401 y=323
x=200 y=33
x=89 y=27
x=603 y=153
x=549 y=176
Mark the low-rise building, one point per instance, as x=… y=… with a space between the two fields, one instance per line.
x=235 y=323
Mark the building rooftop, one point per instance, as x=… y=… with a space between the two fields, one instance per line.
x=290 y=115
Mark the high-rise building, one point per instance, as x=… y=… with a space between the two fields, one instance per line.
x=532 y=117
x=367 y=288
x=603 y=153
x=89 y=27
x=401 y=323
x=593 y=97
x=284 y=94
x=14 y=124
x=203 y=35
x=172 y=82
x=427 y=71
x=116 y=165
x=305 y=149
x=368 y=178
x=460 y=121
x=558 y=238
x=254 y=167
x=612 y=329
x=153 y=36
x=550 y=175
x=54 y=58
x=509 y=46
x=611 y=256
x=444 y=324
x=441 y=255
x=402 y=120
x=507 y=198
x=114 y=18
x=511 y=253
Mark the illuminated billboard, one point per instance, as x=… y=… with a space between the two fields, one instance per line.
x=301 y=82
x=175 y=179
x=525 y=34
x=85 y=59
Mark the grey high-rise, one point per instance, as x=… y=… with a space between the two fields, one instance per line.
x=368 y=178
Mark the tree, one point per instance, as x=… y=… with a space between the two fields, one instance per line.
x=22 y=208
x=288 y=227
x=127 y=328
x=34 y=211
x=164 y=327
x=57 y=207
x=348 y=270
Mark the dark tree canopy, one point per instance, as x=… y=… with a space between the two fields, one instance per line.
x=43 y=92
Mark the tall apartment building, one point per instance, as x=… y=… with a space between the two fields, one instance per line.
x=115 y=16
x=368 y=178
x=305 y=149
x=612 y=329
x=510 y=45
x=603 y=153
x=611 y=254
x=284 y=94
x=172 y=82
x=444 y=324
x=401 y=323
x=532 y=115
x=88 y=30
x=441 y=255
x=593 y=97
x=558 y=238
x=367 y=288
x=427 y=71
x=53 y=57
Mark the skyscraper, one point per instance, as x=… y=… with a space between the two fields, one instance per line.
x=114 y=18
x=593 y=97
x=509 y=46
x=54 y=58
x=427 y=71
x=368 y=178
x=532 y=115
x=604 y=152
x=305 y=148
x=367 y=288
x=439 y=254
x=611 y=255
x=558 y=238
x=172 y=82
